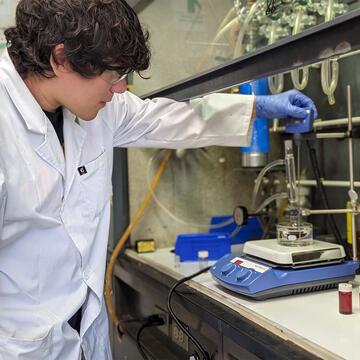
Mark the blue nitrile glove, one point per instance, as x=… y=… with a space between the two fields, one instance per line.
x=290 y=104
x=299 y=126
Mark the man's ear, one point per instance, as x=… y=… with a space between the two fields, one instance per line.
x=58 y=62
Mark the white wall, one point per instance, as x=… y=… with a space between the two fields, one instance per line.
x=7 y=12
x=7 y=17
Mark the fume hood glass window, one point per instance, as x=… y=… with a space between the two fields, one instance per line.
x=191 y=36
x=7 y=18
x=2 y=40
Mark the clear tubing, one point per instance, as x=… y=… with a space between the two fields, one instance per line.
x=224 y=29
x=295 y=74
x=218 y=35
x=276 y=82
x=290 y=172
x=329 y=79
x=239 y=43
x=268 y=167
x=228 y=16
x=225 y=25
x=295 y=77
x=298 y=18
x=329 y=14
x=170 y=214
x=266 y=202
x=341 y=56
x=273 y=37
x=235 y=231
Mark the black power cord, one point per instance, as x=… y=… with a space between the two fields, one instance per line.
x=153 y=320
x=205 y=354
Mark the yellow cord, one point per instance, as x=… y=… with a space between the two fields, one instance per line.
x=122 y=240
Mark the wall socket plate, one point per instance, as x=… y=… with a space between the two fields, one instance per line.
x=166 y=317
x=179 y=337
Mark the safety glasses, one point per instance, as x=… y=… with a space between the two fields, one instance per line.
x=112 y=77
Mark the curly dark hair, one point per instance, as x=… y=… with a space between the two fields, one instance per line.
x=98 y=35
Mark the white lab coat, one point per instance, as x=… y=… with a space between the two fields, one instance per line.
x=54 y=221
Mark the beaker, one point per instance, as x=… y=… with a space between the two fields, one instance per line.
x=293 y=234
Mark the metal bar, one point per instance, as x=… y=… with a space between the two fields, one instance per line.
x=352 y=192
x=335 y=135
x=339 y=135
x=307 y=212
x=351 y=159
x=317 y=124
x=329 y=183
x=298 y=146
x=318 y=43
x=334 y=122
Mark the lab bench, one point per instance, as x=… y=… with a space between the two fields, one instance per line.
x=230 y=326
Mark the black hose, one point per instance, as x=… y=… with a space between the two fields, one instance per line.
x=324 y=198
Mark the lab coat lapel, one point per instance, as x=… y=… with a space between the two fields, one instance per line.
x=51 y=152
x=43 y=141
x=74 y=139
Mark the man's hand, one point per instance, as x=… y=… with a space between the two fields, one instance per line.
x=290 y=104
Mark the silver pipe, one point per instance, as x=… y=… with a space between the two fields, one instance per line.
x=331 y=136
x=339 y=135
x=298 y=144
x=350 y=53
x=322 y=123
x=329 y=183
x=352 y=193
x=334 y=122
x=275 y=124
x=341 y=56
x=307 y=212
x=351 y=159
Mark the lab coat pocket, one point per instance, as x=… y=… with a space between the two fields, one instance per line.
x=95 y=187
x=20 y=349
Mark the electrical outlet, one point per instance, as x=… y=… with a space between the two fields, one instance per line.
x=179 y=337
x=165 y=316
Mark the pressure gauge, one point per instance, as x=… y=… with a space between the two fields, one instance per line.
x=240 y=215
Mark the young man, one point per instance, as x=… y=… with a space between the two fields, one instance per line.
x=64 y=106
